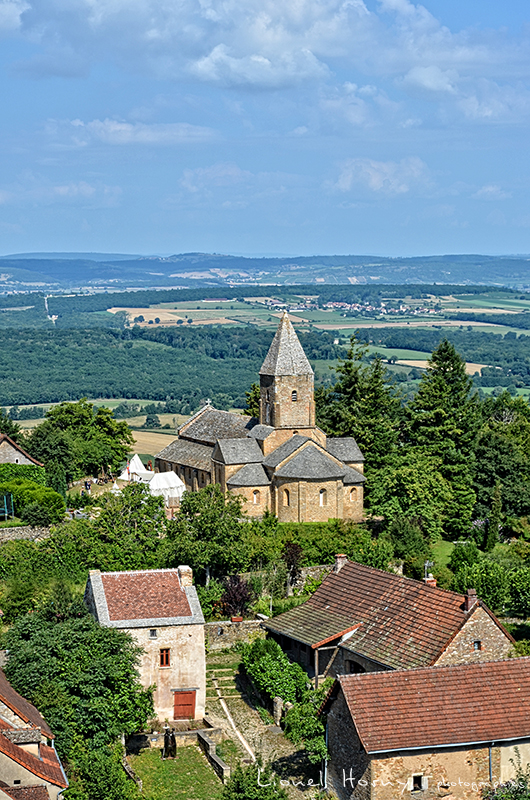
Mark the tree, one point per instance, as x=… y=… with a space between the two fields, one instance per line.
x=254 y=782
x=9 y=427
x=493 y=527
x=520 y=593
x=152 y=421
x=236 y=596
x=56 y=478
x=253 y=401
x=99 y=775
x=464 y=554
x=488 y=578
x=411 y=544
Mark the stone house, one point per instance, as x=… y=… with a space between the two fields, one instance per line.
x=161 y=610
x=362 y=619
x=282 y=462
x=11 y=453
x=29 y=765
x=435 y=732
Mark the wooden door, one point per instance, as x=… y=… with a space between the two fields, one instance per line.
x=184 y=705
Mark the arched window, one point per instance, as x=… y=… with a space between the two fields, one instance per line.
x=257 y=497
x=286 y=498
x=294 y=395
x=353 y=495
x=323 y=497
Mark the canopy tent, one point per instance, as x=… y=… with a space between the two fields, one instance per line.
x=167 y=485
x=135 y=471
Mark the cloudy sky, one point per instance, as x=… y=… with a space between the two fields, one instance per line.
x=265 y=126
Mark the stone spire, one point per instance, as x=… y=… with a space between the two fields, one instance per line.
x=286 y=355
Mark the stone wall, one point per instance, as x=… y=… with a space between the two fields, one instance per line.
x=208 y=747
x=12 y=455
x=348 y=762
x=225 y=634
x=23 y=532
x=479 y=628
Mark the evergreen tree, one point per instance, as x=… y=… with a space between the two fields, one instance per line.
x=56 y=478
x=494 y=522
x=253 y=398
x=9 y=427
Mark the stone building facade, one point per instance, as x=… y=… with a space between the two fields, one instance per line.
x=161 y=610
x=11 y=453
x=442 y=732
x=362 y=619
x=282 y=462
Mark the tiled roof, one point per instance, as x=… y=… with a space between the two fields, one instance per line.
x=20 y=706
x=209 y=424
x=147 y=594
x=47 y=767
x=23 y=735
x=284 y=450
x=189 y=454
x=311 y=463
x=404 y=622
x=261 y=432
x=238 y=451
x=26 y=792
x=352 y=477
x=249 y=475
x=345 y=449
x=311 y=626
x=483 y=702
x=286 y=355
x=5 y=438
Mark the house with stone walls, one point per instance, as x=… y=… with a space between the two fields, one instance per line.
x=11 y=453
x=362 y=619
x=161 y=611
x=435 y=732
x=281 y=462
x=30 y=768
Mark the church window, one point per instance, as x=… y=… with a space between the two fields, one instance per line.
x=286 y=497
x=353 y=495
x=257 y=497
x=323 y=497
x=294 y=396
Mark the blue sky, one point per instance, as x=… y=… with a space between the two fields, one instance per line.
x=258 y=126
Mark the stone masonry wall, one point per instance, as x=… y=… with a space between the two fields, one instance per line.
x=10 y=455
x=348 y=762
x=494 y=644
x=23 y=532
x=225 y=634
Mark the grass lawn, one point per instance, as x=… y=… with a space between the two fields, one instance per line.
x=442 y=552
x=188 y=777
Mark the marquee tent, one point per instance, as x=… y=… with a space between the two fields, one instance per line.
x=135 y=471
x=167 y=485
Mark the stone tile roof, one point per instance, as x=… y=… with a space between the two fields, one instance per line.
x=345 y=449
x=5 y=438
x=189 y=454
x=209 y=424
x=284 y=450
x=238 y=451
x=261 y=432
x=25 y=792
x=311 y=464
x=440 y=706
x=352 y=477
x=48 y=767
x=21 y=707
x=23 y=735
x=249 y=475
x=146 y=594
x=405 y=623
x=286 y=355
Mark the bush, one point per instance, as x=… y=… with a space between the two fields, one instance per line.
x=488 y=578
x=29 y=472
x=26 y=492
x=253 y=783
x=520 y=593
x=210 y=599
x=272 y=672
x=236 y=596
x=35 y=515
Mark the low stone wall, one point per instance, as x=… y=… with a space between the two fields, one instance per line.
x=208 y=747
x=225 y=634
x=23 y=532
x=141 y=741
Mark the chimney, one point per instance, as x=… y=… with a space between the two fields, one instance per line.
x=185 y=575
x=470 y=599
x=430 y=580
x=340 y=560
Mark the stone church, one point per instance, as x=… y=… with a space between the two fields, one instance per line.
x=282 y=462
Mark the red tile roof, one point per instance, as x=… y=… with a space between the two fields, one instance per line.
x=439 y=706
x=47 y=767
x=24 y=709
x=148 y=594
x=404 y=623
x=26 y=792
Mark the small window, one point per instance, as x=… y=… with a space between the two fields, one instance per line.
x=164 y=657
x=477 y=645
x=153 y=633
x=257 y=497
x=294 y=396
x=16 y=783
x=417 y=783
x=354 y=668
x=16 y=460
x=353 y=495
x=323 y=497
x=286 y=498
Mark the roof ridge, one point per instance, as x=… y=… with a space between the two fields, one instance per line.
x=511 y=663
x=418 y=583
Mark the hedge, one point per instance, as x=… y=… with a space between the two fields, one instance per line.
x=29 y=472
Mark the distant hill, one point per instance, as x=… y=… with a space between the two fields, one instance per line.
x=103 y=271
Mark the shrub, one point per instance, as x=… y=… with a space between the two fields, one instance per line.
x=272 y=672
x=35 y=515
x=210 y=599
x=236 y=596
x=29 y=472
x=520 y=593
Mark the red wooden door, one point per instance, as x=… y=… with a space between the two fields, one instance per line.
x=184 y=705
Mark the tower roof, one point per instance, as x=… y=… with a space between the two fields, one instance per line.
x=286 y=355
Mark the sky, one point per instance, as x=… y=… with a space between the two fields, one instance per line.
x=298 y=127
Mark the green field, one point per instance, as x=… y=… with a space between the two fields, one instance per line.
x=188 y=777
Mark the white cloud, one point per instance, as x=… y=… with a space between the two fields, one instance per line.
x=34 y=189
x=384 y=177
x=77 y=133
x=431 y=79
x=10 y=13
x=491 y=192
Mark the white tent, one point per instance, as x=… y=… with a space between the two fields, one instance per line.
x=135 y=471
x=167 y=485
